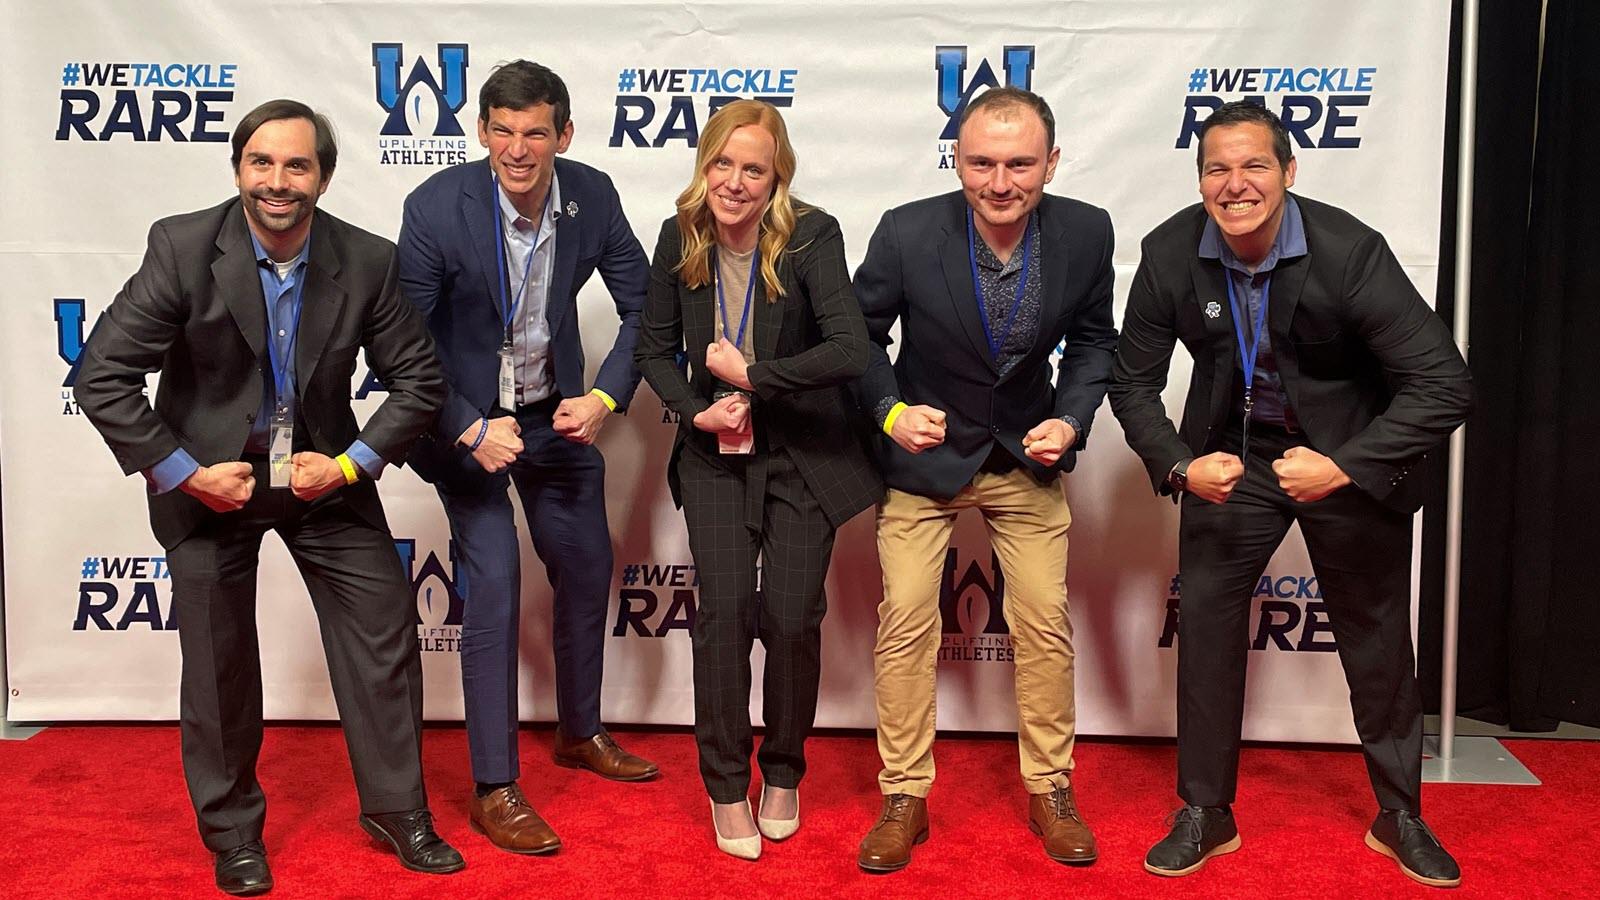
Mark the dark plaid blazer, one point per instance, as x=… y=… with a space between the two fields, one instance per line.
x=809 y=345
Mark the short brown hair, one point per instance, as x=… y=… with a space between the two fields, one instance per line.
x=1010 y=97
x=277 y=110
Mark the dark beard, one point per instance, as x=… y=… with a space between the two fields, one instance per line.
x=275 y=221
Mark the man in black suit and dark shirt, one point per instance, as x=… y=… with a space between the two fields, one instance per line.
x=986 y=283
x=1320 y=381
x=253 y=312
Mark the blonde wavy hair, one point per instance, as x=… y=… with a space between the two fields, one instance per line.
x=697 y=226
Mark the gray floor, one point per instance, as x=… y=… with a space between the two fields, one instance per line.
x=1474 y=759
x=1473 y=728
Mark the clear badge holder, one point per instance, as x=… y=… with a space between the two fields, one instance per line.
x=280 y=452
x=508 y=379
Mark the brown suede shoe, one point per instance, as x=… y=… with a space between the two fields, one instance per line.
x=902 y=825
x=601 y=755
x=1054 y=817
x=510 y=823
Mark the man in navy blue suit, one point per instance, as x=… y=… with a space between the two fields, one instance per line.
x=494 y=253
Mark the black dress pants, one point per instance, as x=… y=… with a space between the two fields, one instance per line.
x=367 y=620
x=740 y=510
x=1361 y=553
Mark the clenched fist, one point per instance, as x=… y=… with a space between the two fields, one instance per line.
x=918 y=428
x=1047 y=440
x=1214 y=476
x=223 y=487
x=1306 y=475
x=501 y=442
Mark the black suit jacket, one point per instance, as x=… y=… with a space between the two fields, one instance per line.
x=917 y=271
x=808 y=345
x=194 y=312
x=1371 y=371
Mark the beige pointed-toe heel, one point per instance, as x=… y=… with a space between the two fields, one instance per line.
x=742 y=847
x=778 y=829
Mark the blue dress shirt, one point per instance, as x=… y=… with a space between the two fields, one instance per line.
x=1270 y=403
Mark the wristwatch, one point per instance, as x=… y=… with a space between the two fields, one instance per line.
x=1178 y=478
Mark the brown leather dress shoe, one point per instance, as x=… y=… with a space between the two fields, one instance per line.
x=505 y=817
x=601 y=755
x=1054 y=817
x=902 y=824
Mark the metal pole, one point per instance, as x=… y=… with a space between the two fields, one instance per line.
x=1458 y=441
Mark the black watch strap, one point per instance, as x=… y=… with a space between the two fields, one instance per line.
x=1178 y=478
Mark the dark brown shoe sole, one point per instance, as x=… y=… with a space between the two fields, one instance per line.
x=542 y=851
x=568 y=763
x=886 y=868
x=382 y=837
x=1064 y=860
x=1383 y=848
x=1219 y=850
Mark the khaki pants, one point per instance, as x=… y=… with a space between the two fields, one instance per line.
x=1027 y=524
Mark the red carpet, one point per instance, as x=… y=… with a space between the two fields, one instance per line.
x=102 y=811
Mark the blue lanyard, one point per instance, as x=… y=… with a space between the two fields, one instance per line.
x=977 y=286
x=749 y=292
x=508 y=305
x=1247 y=357
x=280 y=366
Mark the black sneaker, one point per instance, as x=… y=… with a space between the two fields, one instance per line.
x=1403 y=837
x=1198 y=833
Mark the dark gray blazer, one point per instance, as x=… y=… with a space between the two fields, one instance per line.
x=194 y=312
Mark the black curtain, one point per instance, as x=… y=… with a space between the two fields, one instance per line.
x=1530 y=613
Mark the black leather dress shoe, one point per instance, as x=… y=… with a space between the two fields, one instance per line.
x=1198 y=833
x=1402 y=836
x=243 y=870
x=411 y=836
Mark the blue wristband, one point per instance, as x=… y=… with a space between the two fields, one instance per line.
x=483 y=429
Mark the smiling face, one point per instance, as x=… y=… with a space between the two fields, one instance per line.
x=522 y=145
x=1004 y=160
x=279 y=181
x=739 y=182
x=1243 y=186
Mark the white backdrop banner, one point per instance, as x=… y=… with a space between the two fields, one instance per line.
x=118 y=114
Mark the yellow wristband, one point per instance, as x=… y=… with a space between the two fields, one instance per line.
x=604 y=398
x=348 y=467
x=888 y=421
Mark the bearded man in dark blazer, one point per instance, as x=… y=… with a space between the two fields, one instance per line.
x=253 y=312
x=1320 y=380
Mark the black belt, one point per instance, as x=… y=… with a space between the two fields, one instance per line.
x=1257 y=426
x=546 y=407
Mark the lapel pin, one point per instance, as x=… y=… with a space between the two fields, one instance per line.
x=1213 y=309
x=572 y=209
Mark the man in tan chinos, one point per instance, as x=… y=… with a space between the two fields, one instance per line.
x=985 y=283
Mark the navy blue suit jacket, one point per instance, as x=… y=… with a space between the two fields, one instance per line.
x=917 y=272
x=448 y=269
